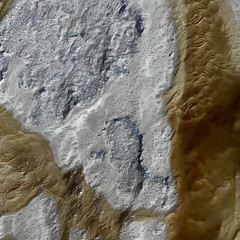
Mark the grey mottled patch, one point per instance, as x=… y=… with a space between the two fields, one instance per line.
x=37 y=220
x=125 y=154
x=70 y=50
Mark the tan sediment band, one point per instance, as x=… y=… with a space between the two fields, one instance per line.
x=27 y=168
x=8 y=237
x=203 y=108
x=4 y=4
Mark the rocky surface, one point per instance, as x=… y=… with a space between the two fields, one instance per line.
x=89 y=77
x=236 y=9
x=151 y=230
x=76 y=233
x=37 y=220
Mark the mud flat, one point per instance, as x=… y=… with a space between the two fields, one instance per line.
x=203 y=110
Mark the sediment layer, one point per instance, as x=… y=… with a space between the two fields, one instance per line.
x=4 y=4
x=203 y=110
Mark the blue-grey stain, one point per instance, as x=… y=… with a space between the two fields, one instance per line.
x=97 y=154
x=41 y=90
x=123 y=7
x=1 y=75
x=139 y=25
x=3 y=64
x=126 y=153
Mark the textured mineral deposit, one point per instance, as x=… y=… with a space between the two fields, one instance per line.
x=80 y=74
x=119 y=119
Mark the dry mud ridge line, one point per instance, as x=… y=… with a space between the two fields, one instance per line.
x=203 y=110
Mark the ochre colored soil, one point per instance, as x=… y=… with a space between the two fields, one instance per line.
x=203 y=109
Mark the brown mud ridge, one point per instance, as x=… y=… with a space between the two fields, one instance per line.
x=203 y=109
x=4 y=4
x=27 y=168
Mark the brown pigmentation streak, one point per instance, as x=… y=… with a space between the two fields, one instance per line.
x=4 y=4
x=203 y=108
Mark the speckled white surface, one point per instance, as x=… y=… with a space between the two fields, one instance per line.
x=235 y=4
x=151 y=230
x=37 y=221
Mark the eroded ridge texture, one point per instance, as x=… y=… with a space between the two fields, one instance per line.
x=203 y=109
x=69 y=62
x=27 y=168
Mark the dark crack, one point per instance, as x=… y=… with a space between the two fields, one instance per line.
x=139 y=25
x=123 y=7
